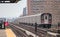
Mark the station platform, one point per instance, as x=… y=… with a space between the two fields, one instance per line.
x=7 y=33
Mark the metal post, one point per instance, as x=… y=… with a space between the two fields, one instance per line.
x=36 y=29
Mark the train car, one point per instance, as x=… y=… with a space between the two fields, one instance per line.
x=42 y=19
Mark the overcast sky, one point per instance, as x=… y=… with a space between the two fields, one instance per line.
x=12 y=9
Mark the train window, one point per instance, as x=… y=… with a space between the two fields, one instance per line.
x=42 y=17
x=45 y=17
x=50 y=17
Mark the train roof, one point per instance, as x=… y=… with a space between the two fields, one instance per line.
x=31 y=15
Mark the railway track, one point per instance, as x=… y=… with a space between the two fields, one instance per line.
x=18 y=32
x=40 y=32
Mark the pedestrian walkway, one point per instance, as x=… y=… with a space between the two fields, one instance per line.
x=7 y=33
x=2 y=33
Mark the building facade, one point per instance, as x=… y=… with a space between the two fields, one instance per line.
x=45 y=6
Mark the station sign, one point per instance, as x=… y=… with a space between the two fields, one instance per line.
x=9 y=1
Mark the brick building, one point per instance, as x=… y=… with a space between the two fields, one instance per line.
x=45 y=6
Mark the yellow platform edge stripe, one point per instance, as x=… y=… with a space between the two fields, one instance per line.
x=9 y=33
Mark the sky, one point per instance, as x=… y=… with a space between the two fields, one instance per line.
x=12 y=10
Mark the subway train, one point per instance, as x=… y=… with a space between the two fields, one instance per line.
x=43 y=20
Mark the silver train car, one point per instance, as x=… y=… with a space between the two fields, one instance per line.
x=42 y=20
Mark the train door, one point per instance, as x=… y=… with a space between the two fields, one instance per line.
x=46 y=19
